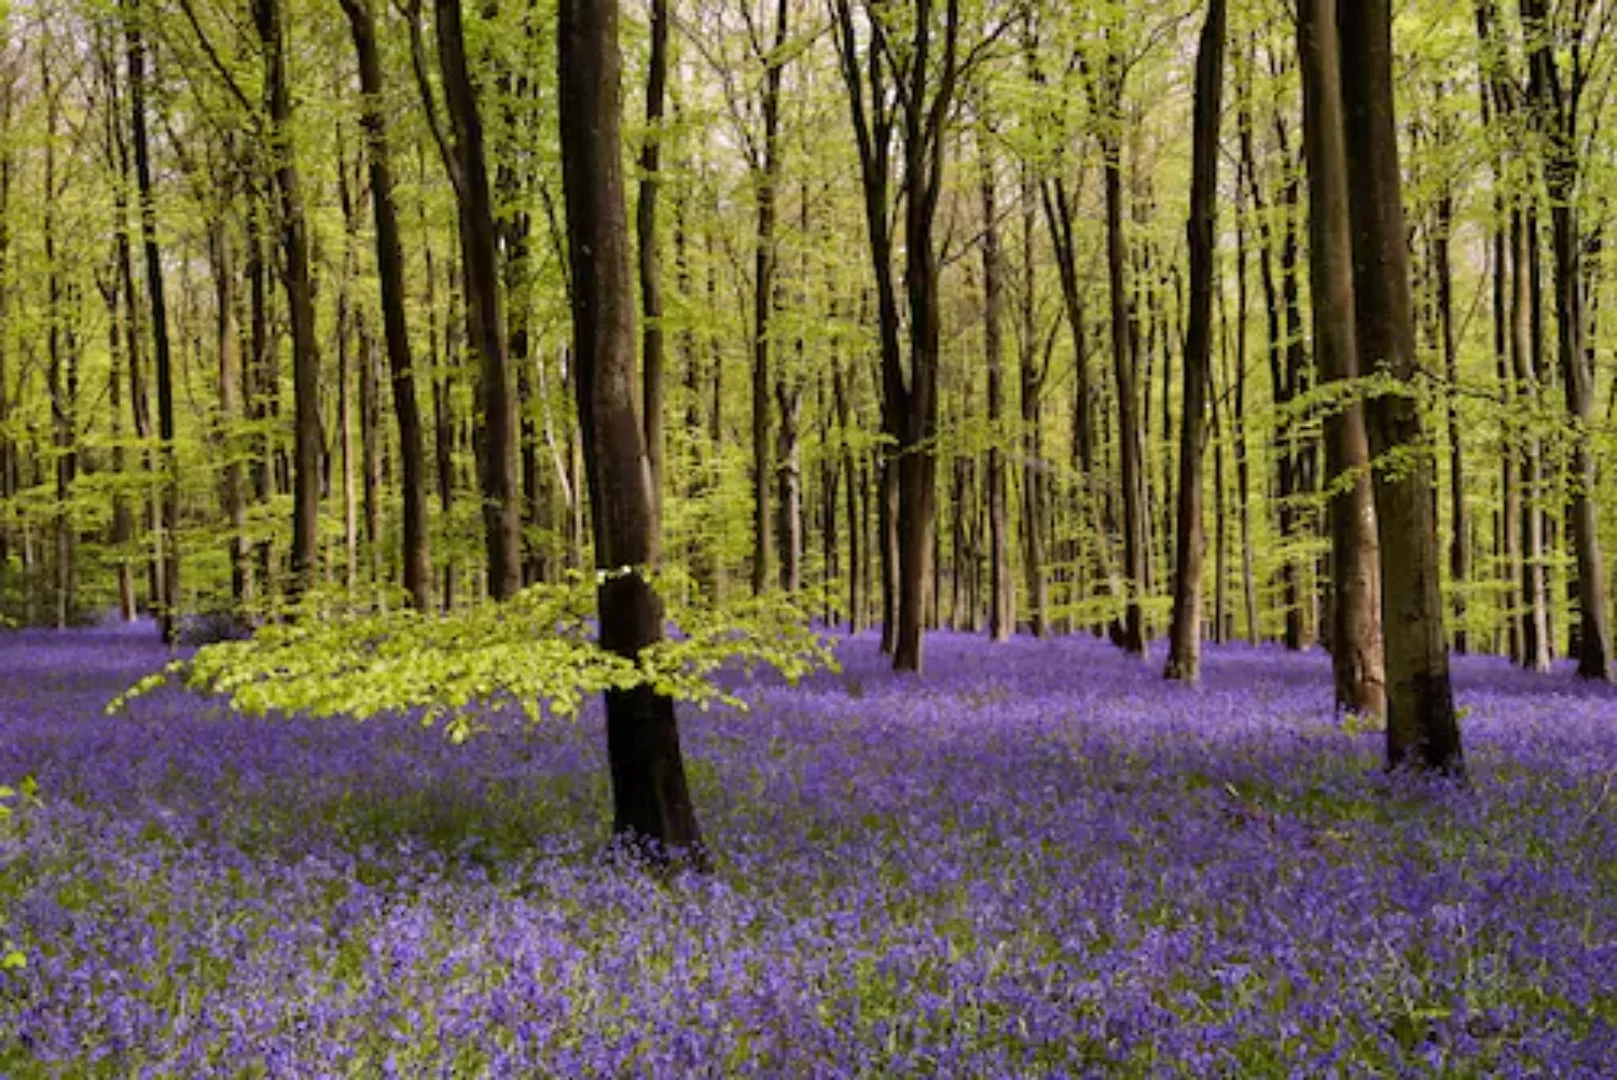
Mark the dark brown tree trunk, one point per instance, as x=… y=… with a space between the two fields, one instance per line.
x=230 y=376
x=1035 y=524
x=1134 y=552
x=842 y=392
x=909 y=398
x=1422 y=730
x=1555 y=115
x=653 y=814
x=271 y=21
x=169 y=570
x=259 y=383
x=1459 y=518
x=1243 y=469
x=60 y=375
x=766 y=174
x=1185 y=634
x=1001 y=589
x=395 y=325
x=649 y=255
x=1535 y=633
x=497 y=455
x=1356 y=645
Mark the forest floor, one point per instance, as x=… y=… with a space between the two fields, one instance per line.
x=1038 y=859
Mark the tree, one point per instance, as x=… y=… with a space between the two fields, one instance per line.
x=391 y=269
x=1422 y=730
x=1555 y=104
x=1185 y=636
x=270 y=19
x=923 y=86
x=1356 y=659
x=168 y=516
x=653 y=814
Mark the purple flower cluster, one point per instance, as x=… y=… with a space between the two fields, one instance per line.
x=1039 y=860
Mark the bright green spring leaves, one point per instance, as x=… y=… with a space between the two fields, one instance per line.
x=536 y=652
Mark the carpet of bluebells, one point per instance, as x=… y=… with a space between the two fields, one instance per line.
x=1037 y=860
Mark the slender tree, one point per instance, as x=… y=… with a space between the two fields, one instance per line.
x=297 y=276
x=395 y=326
x=1201 y=230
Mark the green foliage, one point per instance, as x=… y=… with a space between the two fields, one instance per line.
x=535 y=653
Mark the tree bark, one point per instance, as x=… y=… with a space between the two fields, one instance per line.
x=652 y=359
x=1422 y=729
x=1129 y=455
x=498 y=475
x=1000 y=588
x=653 y=814
x=1555 y=115
x=1459 y=517
x=766 y=173
x=271 y=23
x=1356 y=645
x=168 y=515
x=395 y=325
x=1184 y=646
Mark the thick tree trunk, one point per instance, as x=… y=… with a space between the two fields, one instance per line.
x=1184 y=646
x=1356 y=645
x=1421 y=725
x=653 y=814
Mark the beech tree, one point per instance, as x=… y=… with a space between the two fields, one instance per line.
x=652 y=806
x=1185 y=636
x=1421 y=725
x=1356 y=657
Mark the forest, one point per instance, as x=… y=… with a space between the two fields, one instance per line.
x=807 y=537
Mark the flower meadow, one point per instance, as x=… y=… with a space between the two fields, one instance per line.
x=1039 y=859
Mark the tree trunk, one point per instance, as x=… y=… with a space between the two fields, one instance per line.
x=1459 y=519
x=271 y=21
x=653 y=814
x=1356 y=645
x=485 y=318
x=1000 y=618
x=169 y=565
x=1534 y=633
x=650 y=258
x=766 y=173
x=1555 y=113
x=395 y=325
x=1134 y=553
x=1201 y=231
x=230 y=375
x=1422 y=730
